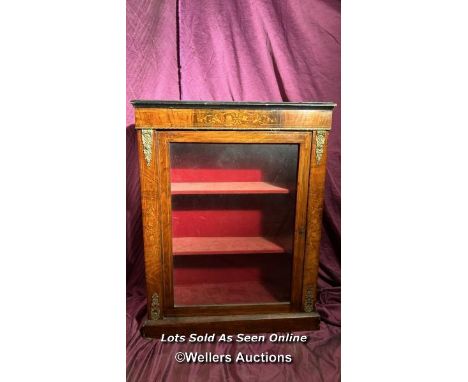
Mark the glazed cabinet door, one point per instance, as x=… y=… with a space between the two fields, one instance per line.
x=233 y=208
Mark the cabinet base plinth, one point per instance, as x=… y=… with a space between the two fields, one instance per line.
x=258 y=323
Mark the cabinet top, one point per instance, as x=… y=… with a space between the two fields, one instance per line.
x=232 y=105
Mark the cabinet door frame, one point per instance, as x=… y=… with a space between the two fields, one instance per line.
x=164 y=139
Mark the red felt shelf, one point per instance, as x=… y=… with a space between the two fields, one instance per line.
x=247 y=292
x=224 y=245
x=196 y=188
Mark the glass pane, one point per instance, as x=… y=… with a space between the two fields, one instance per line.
x=233 y=209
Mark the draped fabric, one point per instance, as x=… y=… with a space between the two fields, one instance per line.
x=238 y=50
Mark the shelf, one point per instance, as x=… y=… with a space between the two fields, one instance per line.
x=240 y=292
x=194 y=188
x=223 y=245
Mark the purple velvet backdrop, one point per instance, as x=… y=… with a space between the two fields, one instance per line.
x=236 y=50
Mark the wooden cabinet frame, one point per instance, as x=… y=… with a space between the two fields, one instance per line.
x=163 y=122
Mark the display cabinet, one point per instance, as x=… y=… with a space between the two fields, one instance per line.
x=232 y=196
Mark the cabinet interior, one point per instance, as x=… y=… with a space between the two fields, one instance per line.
x=233 y=211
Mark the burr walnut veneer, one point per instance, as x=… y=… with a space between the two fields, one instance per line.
x=232 y=196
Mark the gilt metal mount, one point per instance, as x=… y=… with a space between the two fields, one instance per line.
x=319 y=145
x=155 y=313
x=147 y=140
x=309 y=300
